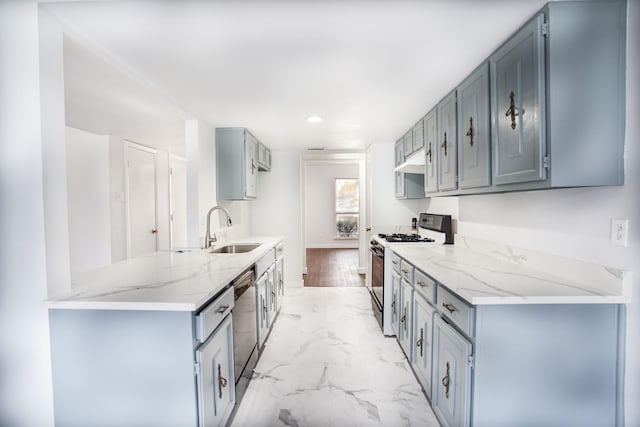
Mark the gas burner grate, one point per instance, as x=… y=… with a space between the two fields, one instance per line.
x=401 y=237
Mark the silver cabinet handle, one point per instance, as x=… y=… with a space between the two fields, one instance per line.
x=420 y=341
x=449 y=307
x=222 y=382
x=421 y=283
x=222 y=309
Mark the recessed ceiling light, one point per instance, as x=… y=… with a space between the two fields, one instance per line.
x=314 y=119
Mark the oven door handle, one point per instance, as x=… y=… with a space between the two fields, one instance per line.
x=377 y=252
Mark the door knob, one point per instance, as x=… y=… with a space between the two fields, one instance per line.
x=154 y=231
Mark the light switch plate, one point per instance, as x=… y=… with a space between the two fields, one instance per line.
x=619 y=232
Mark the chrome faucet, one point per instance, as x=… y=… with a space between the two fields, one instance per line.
x=208 y=239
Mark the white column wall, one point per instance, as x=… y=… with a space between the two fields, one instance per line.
x=26 y=397
x=88 y=200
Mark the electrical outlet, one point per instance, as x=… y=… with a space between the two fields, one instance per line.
x=619 y=231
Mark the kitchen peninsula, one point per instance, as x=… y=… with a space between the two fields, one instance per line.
x=149 y=341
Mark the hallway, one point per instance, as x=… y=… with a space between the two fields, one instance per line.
x=327 y=363
x=333 y=268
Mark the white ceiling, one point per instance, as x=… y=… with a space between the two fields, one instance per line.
x=371 y=69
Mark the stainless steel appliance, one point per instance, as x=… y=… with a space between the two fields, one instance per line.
x=432 y=230
x=244 y=330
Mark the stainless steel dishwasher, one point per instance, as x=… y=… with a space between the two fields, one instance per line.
x=244 y=330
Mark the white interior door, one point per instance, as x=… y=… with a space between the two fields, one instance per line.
x=141 y=191
x=178 y=194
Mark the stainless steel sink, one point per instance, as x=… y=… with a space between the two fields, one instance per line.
x=239 y=248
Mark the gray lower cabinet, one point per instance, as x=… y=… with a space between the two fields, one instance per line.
x=236 y=164
x=279 y=282
x=215 y=377
x=474 y=124
x=405 y=325
x=451 y=392
x=511 y=364
x=431 y=152
x=422 y=354
x=396 y=308
x=143 y=368
x=447 y=143
x=262 y=308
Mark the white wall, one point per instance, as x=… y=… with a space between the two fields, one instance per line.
x=25 y=388
x=575 y=223
x=388 y=213
x=277 y=210
x=88 y=200
x=117 y=205
x=320 y=217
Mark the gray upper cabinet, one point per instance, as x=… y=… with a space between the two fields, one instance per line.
x=431 y=152
x=447 y=143
x=264 y=158
x=407 y=185
x=474 y=122
x=418 y=135
x=556 y=108
x=400 y=188
x=518 y=82
x=408 y=143
x=236 y=164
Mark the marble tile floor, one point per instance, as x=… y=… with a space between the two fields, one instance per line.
x=326 y=363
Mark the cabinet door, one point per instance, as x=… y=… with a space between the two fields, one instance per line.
x=451 y=390
x=423 y=341
x=215 y=379
x=262 y=309
x=474 y=145
x=400 y=181
x=418 y=136
x=406 y=304
x=395 y=303
x=447 y=143
x=517 y=107
x=431 y=151
x=408 y=143
x=279 y=282
x=273 y=295
x=251 y=165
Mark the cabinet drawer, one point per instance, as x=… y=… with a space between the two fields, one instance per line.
x=395 y=262
x=211 y=316
x=406 y=271
x=425 y=286
x=459 y=312
x=279 y=250
x=264 y=263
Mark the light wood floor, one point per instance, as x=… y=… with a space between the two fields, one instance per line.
x=333 y=268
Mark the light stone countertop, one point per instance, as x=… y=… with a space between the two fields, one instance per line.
x=483 y=272
x=164 y=280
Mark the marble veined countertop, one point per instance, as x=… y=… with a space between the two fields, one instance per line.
x=483 y=272
x=178 y=280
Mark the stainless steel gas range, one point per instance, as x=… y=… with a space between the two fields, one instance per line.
x=432 y=230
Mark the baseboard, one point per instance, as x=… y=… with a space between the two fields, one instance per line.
x=362 y=270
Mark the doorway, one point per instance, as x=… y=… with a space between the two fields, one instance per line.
x=332 y=268
x=333 y=255
x=142 y=227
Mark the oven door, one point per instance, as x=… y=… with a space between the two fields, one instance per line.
x=377 y=282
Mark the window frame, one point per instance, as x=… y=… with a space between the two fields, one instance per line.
x=336 y=212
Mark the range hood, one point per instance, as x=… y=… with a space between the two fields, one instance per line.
x=414 y=163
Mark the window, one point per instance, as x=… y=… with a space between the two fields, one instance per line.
x=347 y=208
